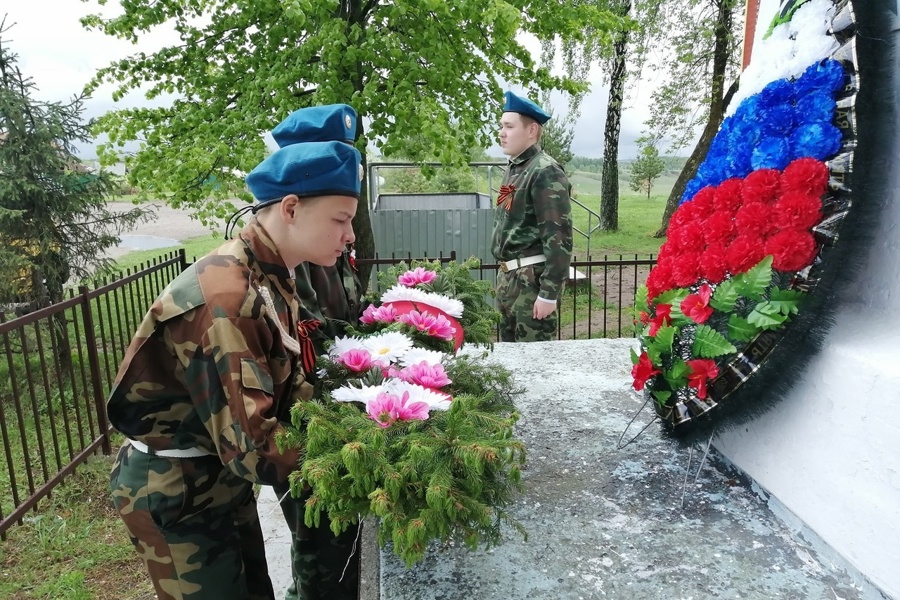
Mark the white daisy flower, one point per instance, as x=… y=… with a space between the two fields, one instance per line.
x=451 y=306
x=387 y=347
x=417 y=355
x=365 y=394
x=417 y=393
x=345 y=344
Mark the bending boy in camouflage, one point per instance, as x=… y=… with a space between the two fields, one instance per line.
x=211 y=374
x=532 y=239
x=323 y=566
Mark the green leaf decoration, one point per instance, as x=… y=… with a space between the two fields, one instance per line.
x=754 y=282
x=673 y=297
x=740 y=330
x=766 y=316
x=709 y=343
x=786 y=301
x=640 y=300
x=661 y=344
x=725 y=296
x=677 y=375
x=661 y=396
x=634 y=357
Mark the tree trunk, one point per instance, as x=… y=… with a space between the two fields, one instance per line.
x=718 y=102
x=609 y=184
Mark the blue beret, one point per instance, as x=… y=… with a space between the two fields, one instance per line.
x=330 y=123
x=310 y=169
x=526 y=107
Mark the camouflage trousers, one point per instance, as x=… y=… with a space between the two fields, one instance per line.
x=195 y=525
x=324 y=567
x=517 y=292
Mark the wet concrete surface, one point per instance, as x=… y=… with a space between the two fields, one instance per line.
x=616 y=523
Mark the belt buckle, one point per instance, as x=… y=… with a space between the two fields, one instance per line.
x=503 y=267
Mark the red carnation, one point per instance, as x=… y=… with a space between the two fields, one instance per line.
x=660 y=278
x=712 y=265
x=797 y=211
x=805 y=175
x=728 y=195
x=683 y=214
x=684 y=269
x=762 y=186
x=754 y=219
x=668 y=248
x=719 y=228
x=744 y=252
x=642 y=371
x=703 y=203
x=689 y=237
x=791 y=249
x=702 y=369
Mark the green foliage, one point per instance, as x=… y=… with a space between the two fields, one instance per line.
x=646 y=169
x=709 y=343
x=53 y=215
x=753 y=283
x=425 y=77
x=451 y=475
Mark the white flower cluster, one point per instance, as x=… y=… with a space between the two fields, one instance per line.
x=448 y=305
x=791 y=48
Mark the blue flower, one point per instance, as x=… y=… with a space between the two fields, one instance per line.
x=815 y=108
x=690 y=190
x=776 y=120
x=817 y=140
x=778 y=92
x=825 y=77
x=771 y=153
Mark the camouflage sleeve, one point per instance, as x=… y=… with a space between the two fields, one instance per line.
x=234 y=360
x=553 y=211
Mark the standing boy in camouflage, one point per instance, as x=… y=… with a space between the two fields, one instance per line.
x=211 y=375
x=532 y=238
x=323 y=566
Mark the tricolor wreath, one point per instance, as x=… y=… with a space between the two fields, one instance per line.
x=757 y=224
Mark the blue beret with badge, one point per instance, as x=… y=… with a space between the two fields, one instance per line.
x=524 y=106
x=309 y=169
x=328 y=123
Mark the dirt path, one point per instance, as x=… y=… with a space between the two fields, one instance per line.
x=169 y=224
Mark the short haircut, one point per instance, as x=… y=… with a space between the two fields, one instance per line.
x=526 y=121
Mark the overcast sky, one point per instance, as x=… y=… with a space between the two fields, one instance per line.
x=61 y=56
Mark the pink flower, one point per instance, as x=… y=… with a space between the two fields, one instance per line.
x=380 y=314
x=357 y=360
x=416 y=277
x=387 y=409
x=429 y=376
x=434 y=325
x=696 y=306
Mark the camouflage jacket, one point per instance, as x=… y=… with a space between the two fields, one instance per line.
x=209 y=366
x=534 y=216
x=331 y=296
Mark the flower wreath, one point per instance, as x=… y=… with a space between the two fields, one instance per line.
x=406 y=428
x=748 y=242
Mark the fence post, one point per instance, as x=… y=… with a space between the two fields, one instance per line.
x=94 y=365
x=183 y=257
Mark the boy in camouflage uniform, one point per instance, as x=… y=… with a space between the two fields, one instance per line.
x=323 y=566
x=532 y=239
x=211 y=375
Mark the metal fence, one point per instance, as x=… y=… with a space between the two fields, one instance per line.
x=56 y=367
x=57 y=363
